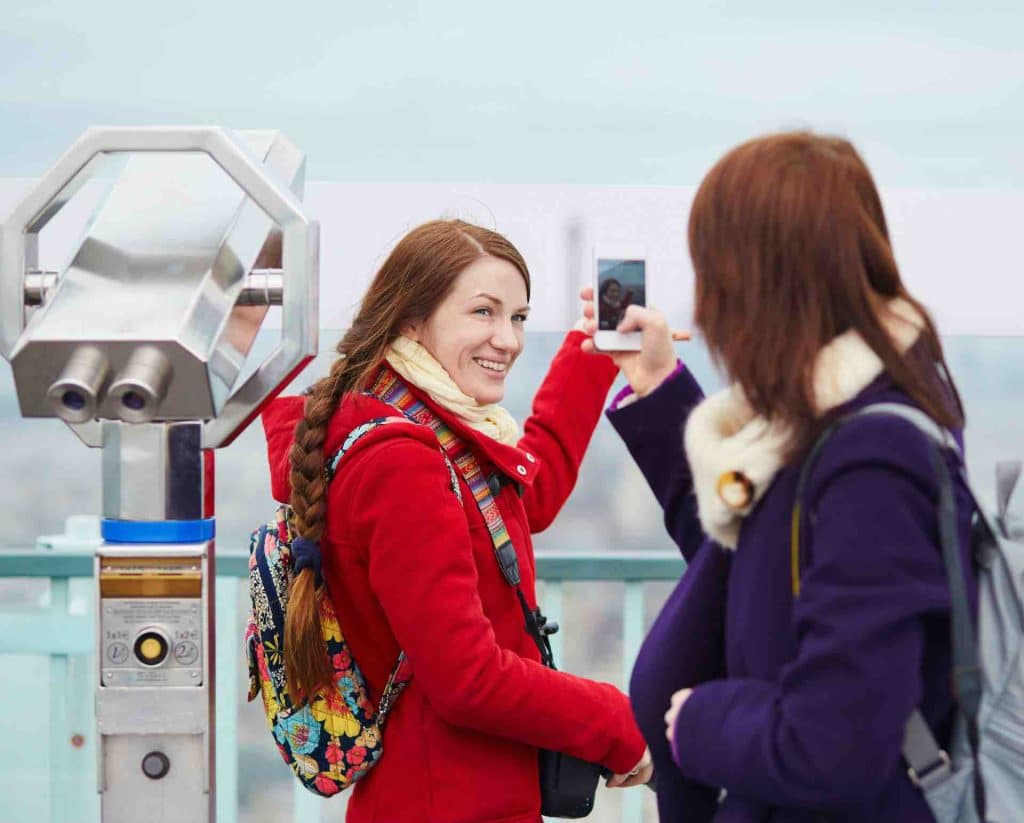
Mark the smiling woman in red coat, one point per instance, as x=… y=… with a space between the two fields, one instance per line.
x=411 y=567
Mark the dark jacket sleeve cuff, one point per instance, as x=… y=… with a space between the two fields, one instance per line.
x=658 y=410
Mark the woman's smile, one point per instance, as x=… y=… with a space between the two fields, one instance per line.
x=494 y=366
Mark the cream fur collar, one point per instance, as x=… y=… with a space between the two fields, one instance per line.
x=417 y=365
x=735 y=454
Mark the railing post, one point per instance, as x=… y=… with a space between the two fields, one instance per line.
x=83 y=798
x=60 y=732
x=552 y=609
x=632 y=637
x=305 y=804
x=229 y=649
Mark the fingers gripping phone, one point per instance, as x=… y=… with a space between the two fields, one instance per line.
x=620 y=281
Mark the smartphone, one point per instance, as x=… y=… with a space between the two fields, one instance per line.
x=620 y=281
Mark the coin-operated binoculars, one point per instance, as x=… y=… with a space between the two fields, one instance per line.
x=140 y=346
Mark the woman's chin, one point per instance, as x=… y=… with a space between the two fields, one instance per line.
x=487 y=394
x=487 y=398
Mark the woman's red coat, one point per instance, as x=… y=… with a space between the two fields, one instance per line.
x=410 y=567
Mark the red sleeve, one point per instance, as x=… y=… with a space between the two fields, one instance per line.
x=422 y=571
x=565 y=412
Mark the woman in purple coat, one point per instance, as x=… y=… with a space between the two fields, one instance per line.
x=768 y=693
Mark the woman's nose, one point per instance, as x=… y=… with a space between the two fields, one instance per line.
x=505 y=338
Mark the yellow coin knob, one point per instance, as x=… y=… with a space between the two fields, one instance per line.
x=150 y=648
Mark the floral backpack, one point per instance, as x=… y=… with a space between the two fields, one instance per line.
x=333 y=739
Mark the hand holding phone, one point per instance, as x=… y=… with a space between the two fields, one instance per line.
x=655 y=360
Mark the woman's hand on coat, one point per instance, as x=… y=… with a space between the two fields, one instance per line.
x=678 y=699
x=640 y=775
x=645 y=369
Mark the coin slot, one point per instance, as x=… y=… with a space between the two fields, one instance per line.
x=151 y=648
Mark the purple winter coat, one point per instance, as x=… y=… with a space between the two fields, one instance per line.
x=799 y=707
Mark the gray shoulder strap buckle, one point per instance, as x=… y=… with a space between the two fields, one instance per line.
x=927 y=764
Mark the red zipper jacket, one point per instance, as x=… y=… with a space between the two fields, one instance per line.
x=410 y=567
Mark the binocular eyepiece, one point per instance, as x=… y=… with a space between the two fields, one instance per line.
x=136 y=391
x=141 y=386
x=75 y=394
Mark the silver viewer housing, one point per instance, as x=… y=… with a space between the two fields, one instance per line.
x=153 y=317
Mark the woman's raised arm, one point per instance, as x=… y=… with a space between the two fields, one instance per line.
x=650 y=416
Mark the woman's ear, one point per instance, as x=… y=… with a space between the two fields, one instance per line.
x=412 y=331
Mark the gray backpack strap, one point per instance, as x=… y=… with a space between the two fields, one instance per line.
x=1007 y=475
x=914 y=415
x=928 y=764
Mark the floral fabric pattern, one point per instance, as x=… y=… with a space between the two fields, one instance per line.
x=333 y=739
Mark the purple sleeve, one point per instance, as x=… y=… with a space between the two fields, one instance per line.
x=829 y=730
x=627 y=390
x=652 y=428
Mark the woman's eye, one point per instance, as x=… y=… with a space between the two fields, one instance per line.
x=519 y=318
x=483 y=311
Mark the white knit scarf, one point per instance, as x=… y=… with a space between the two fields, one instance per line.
x=723 y=435
x=418 y=366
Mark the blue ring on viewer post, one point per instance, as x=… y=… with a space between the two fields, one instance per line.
x=157 y=531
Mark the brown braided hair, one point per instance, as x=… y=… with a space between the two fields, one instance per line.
x=413 y=281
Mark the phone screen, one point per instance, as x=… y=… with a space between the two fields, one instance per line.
x=620 y=283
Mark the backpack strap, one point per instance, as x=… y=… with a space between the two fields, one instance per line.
x=928 y=764
x=399 y=675
x=1007 y=474
x=331 y=465
x=391 y=389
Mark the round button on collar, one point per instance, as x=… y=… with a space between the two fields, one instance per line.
x=531 y=458
x=521 y=469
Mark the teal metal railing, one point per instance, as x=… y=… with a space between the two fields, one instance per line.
x=55 y=642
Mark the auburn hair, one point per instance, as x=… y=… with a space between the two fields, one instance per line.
x=790 y=249
x=413 y=281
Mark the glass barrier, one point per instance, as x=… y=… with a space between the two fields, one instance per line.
x=51 y=475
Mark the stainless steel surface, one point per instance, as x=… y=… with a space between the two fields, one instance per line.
x=175 y=620
x=74 y=395
x=152 y=471
x=38 y=285
x=197 y=550
x=179 y=796
x=133 y=710
x=167 y=262
x=178 y=720
x=300 y=262
x=265 y=287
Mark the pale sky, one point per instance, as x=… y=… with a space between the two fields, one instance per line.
x=530 y=92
